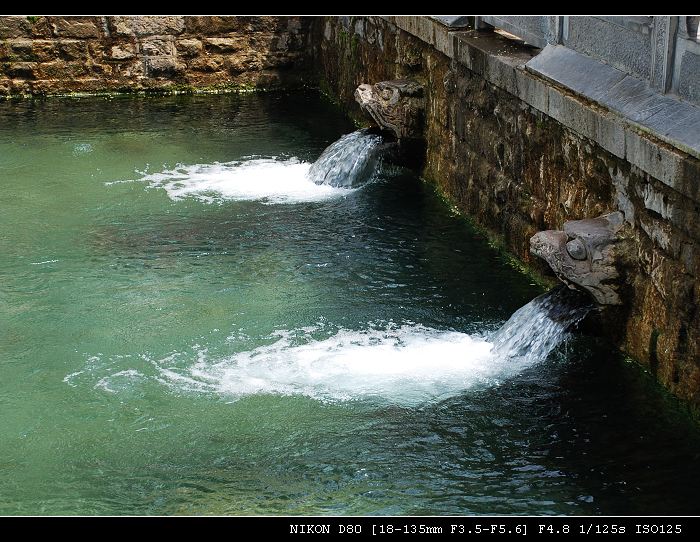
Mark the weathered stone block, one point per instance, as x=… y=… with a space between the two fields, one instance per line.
x=685 y=134
x=661 y=234
x=531 y=90
x=62 y=70
x=146 y=25
x=689 y=182
x=124 y=51
x=189 y=47
x=129 y=70
x=417 y=26
x=659 y=161
x=572 y=70
x=502 y=74
x=237 y=65
x=21 y=49
x=72 y=49
x=470 y=57
x=15 y=27
x=22 y=70
x=443 y=41
x=207 y=64
x=158 y=46
x=690 y=258
x=610 y=134
x=101 y=70
x=99 y=48
x=75 y=27
x=44 y=50
x=164 y=66
x=669 y=280
x=262 y=24
x=224 y=45
x=572 y=113
x=20 y=26
x=687 y=78
x=214 y=25
x=623 y=48
x=21 y=86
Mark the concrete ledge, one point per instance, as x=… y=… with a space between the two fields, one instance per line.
x=665 y=117
x=656 y=133
x=454 y=21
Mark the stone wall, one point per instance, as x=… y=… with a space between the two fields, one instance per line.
x=54 y=55
x=518 y=168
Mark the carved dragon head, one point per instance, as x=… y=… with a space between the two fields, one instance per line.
x=396 y=106
x=586 y=255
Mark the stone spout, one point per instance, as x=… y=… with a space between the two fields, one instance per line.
x=587 y=255
x=397 y=106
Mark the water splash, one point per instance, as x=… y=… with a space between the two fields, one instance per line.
x=406 y=365
x=344 y=166
x=80 y=149
x=349 y=162
x=269 y=180
x=536 y=329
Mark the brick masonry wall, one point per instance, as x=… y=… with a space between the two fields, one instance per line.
x=55 y=55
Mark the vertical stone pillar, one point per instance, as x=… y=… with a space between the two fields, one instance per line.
x=663 y=48
x=554 y=28
x=564 y=28
x=480 y=24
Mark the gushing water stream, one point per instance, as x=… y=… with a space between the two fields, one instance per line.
x=536 y=329
x=348 y=162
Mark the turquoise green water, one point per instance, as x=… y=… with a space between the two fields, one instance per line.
x=187 y=326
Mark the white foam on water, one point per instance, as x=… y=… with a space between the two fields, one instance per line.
x=82 y=148
x=408 y=365
x=119 y=381
x=263 y=179
x=68 y=379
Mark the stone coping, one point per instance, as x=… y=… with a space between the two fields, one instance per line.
x=670 y=119
x=657 y=133
x=454 y=21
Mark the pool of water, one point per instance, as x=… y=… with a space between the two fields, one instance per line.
x=190 y=326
